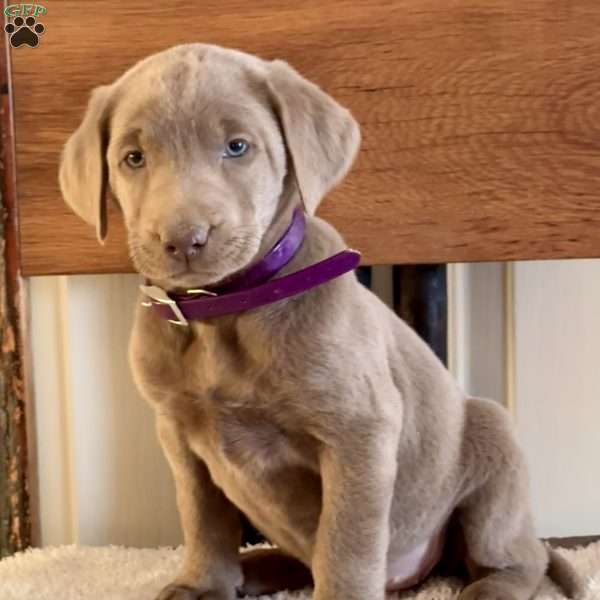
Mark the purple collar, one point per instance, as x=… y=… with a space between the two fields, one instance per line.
x=276 y=258
x=252 y=288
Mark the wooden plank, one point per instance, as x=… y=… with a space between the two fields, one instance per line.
x=15 y=515
x=480 y=118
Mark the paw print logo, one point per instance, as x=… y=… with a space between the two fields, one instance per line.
x=24 y=32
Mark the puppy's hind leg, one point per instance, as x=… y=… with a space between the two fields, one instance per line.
x=504 y=556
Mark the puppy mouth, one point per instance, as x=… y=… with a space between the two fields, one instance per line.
x=184 y=278
x=212 y=265
x=190 y=277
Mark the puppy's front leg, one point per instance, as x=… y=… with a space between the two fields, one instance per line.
x=211 y=525
x=350 y=556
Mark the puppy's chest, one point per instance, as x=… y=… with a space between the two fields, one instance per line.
x=246 y=445
x=234 y=427
x=229 y=412
x=248 y=440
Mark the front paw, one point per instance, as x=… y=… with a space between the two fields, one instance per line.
x=176 y=591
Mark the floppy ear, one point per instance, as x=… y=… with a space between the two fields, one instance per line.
x=83 y=172
x=322 y=137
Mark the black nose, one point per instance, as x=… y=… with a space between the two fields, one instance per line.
x=186 y=245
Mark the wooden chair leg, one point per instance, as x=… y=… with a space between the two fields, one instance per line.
x=15 y=474
x=420 y=298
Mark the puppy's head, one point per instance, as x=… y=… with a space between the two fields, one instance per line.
x=200 y=145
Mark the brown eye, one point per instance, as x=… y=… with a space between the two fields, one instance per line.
x=135 y=159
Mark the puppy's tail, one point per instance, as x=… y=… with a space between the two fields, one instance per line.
x=562 y=572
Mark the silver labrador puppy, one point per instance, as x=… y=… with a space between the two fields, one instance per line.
x=323 y=417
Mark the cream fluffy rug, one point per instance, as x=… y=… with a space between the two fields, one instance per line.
x=114 y=573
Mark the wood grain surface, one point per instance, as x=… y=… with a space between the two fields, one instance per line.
x=480 y=118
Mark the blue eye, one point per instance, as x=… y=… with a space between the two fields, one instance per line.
x=236 y=147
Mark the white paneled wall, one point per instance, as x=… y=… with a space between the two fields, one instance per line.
x=557 y=390
x=103 y=478
x=477 y=340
